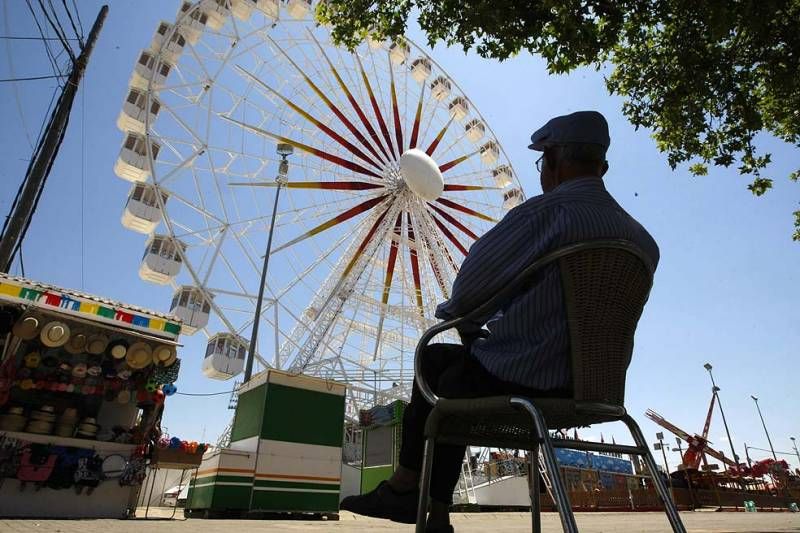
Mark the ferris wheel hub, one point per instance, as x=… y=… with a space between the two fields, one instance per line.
x=421 y=174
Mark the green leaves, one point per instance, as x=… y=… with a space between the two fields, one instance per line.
x=704 y=77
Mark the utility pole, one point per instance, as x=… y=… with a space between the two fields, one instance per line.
x=715 y=390
x=43 y=158
x=755 y=399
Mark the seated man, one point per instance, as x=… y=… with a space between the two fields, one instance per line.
x=526 y=349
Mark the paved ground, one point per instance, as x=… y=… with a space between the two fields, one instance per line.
x=698 y=522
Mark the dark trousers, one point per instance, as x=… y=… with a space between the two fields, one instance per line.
x=452 y=372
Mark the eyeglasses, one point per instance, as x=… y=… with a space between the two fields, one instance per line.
x=539 y=163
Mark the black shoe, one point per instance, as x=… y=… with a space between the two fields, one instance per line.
x=384 y=502
x=444 y=529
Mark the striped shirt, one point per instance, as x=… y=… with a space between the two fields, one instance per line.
x=528 y=342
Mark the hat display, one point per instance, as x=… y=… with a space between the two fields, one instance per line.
x=27 y=327
x=96 y=344
x=33 y=359
x=581 y=127
x=79 y=370
x=139 y=355
x=54 y=334
x=76 y=344
x=164 y=355
x=118 y=349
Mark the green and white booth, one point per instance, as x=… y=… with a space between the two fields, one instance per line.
x=285 y=454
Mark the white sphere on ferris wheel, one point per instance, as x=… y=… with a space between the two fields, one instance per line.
x=394 y=173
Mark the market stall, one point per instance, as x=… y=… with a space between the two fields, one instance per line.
x=82 y=387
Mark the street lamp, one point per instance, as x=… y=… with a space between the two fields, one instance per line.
x=715 y=390
x=755 y=399
x=284 y=150
x=661 y=446
x=794 y=445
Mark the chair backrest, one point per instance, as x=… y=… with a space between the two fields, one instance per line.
x=606 y=285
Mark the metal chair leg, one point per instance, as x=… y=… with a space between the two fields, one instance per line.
x=425 y=486
x=658 y=483
x=534 y=489
x=551 y=465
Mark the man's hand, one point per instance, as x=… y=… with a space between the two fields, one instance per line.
x=468 y=337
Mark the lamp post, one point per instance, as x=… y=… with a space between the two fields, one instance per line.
x=715 y=390
x=284 y=150
x=661 y=446
x=755 y=399
x=794 y=445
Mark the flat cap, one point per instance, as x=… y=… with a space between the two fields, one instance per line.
x=581 y=127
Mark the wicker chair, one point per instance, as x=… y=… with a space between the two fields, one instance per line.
x=606 y=285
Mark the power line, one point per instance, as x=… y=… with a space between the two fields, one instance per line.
x=78 y=16
x=47 y=50
x=31 y=78
x=206 y=393
x=72 y=23
x=10 y=58
x=57 y=28
x=22 y=38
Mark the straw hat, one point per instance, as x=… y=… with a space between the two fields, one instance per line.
x=27 y=327
x=118 y=349
x=139 y=355
x=96 y=344
x=54 y=334
x=124 y=396
x=164 y=355
x=76 y=344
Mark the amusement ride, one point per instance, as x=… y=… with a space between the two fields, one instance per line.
x=387 y=173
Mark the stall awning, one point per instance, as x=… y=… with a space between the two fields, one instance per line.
x=91 y=309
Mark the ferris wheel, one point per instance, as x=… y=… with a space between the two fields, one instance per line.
x=388 y=173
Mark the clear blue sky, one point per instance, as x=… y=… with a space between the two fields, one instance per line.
x=726 y=291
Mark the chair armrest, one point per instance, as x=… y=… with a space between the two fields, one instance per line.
x=429 y=334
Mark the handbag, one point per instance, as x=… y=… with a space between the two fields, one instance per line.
x=89 y=473
x=36 y=465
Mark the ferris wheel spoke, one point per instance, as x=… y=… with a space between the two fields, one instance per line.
x=361 y=247
x=354 y=104
x=436 y=140
x=417 y=117
x=392 y=259
x=387 y=281
x=375 y=107
x=319 y=260
x=455 y=187
x=452 y=220
x=336 y=111
x=415 y=266
x=435 y=268
x=398 y=130
x=450 y=164
x=322 y=185
x=458 y=207
x=303 y=113
x=338 y=219
x=305 y=148
x=449 y=234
